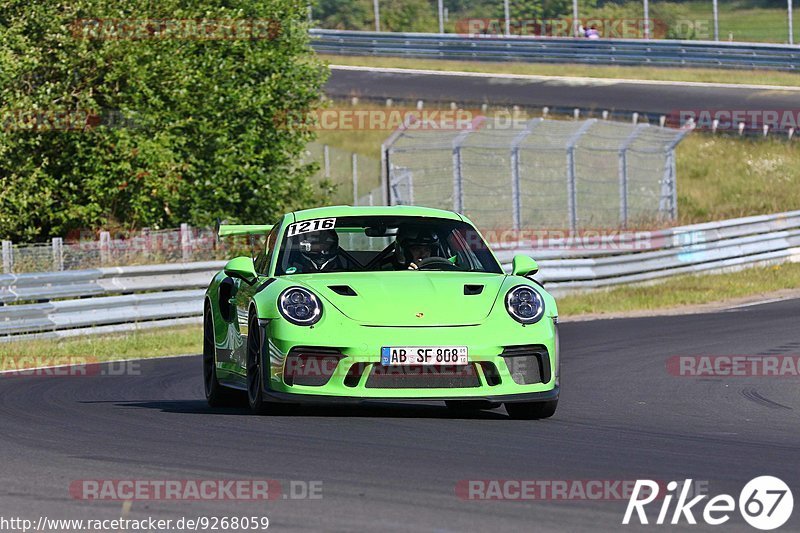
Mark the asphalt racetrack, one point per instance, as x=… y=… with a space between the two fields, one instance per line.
x=621 y=96
x=396 y=467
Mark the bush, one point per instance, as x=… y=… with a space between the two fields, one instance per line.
x=107 y=128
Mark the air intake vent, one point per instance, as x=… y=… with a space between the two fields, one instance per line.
x=472 y=290
x=527 y=364
x=343 y=290
x=423 y=377
x=312 y=367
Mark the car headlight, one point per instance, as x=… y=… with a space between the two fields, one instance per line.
x=300 y=306
x=524 y=304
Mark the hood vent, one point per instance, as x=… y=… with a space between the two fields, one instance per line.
x=472 y=290
x=343 y=290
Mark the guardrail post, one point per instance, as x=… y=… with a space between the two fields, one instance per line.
x=326 y=161
x=354 y=159
x=575 y=18
x=386 y=158
x=669 y=184
x=623 y=186
x=516 y=200
x=623 y=172
x=458 y=176
x=791 y=22
x=458 y=180
x=8 y=257
x=58 y=254
x=572 y=188
x=186 y=243
x=507 y=15
x=105 y=247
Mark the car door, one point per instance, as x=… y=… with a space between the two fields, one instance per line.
x=244 y=295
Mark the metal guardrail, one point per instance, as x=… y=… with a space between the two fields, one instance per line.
x=104 y=300
x=666 y=53
x=44 y=286
x=58 y=304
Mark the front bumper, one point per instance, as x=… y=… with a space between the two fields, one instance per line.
x=359 y=346
x=295 y=397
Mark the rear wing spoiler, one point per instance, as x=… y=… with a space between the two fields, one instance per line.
x=225 y=230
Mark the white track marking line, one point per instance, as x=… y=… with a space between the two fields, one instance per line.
x=567 y=79
x=751 y=304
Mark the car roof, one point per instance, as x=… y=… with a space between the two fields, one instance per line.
x=356 y=211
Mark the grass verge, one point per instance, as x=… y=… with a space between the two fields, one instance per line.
x=683 y=291
x=708 y=75
x=97 y=348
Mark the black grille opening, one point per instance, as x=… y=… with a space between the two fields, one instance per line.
x=491 y=374
x=310 y=366
x=423 y=377
x=472 y=290
x=343 y=290
x=527 y=364
x=353 y=375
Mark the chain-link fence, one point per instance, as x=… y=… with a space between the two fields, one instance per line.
x=350 y=178
x=109 y=249
x=539 y=174
x=725 y=20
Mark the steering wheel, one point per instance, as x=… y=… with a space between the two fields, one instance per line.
x=435 y=262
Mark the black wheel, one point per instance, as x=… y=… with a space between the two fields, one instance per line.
x=216 y=394
x=531 y=410
x=467 y=406
x=255 y=372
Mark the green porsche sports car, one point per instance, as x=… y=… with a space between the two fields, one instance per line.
x=379 y=303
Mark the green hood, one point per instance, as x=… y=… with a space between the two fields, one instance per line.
x=397 y=298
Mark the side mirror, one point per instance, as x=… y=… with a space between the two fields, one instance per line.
x=524 y=266
x=242 y=268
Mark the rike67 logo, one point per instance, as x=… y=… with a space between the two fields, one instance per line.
x=765 y=503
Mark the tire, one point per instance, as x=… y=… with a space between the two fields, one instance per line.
x=470 y=406
x=255 y=370
x=217 y=395
x=531 y=410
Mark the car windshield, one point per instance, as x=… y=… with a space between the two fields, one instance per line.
x=382 y=243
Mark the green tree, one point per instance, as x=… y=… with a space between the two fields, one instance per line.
x=344 y=14
x=181 y=128
x=532 y=9
x=409 y=16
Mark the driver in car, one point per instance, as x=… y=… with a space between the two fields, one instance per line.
x=414 y=245
x=319 y=252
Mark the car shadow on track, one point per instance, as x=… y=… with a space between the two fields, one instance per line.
x=376 y=409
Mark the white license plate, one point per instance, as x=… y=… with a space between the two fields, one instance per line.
x=423 y=355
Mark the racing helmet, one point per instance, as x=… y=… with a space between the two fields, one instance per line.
x=409 y=237
x=320 y=247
